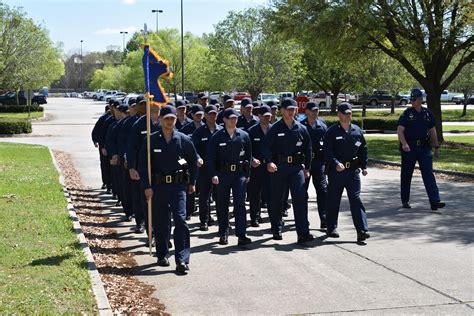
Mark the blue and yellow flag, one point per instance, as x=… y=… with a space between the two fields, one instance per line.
x=155 y=68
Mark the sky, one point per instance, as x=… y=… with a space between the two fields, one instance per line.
x=98 y=23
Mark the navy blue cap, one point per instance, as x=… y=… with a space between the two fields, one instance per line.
x=123 y=108
x=197 y=109
x=415 y=94
x=213 y=101
x=227 y=98
x=140 y=100
x=345 y=108
x=202 y=95
x=111 y=102
x=168 y=111
x=271 y=103
x=132 y=101
x=312 y=106
x=230 y=112
x=246 y=102
x=116 y=104
x=289 y=104
x=106 y=108
x=210 y=108
x=180 y=103
x=256 y=104
x=264 y=110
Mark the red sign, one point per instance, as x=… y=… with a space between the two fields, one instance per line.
x=301 y=101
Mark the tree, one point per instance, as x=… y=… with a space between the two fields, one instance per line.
x=465 y=83
x=28 y=58
x=423 y=36
x=253 y=58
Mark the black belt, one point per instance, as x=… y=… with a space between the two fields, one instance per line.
x=353 y=164
x=178 y=177
x=317 y=155
x=241 y=166
x=289 y=159
x=419 y=142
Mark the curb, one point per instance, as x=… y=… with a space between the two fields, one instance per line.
x=103 y=304
x=440 y=171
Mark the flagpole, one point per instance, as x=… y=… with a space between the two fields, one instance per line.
x=148 y=146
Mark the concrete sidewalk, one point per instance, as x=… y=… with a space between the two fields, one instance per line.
x=417 y=261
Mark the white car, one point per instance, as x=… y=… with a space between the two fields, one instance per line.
x=128 y=97
x=98 y=93
x=266 y=97
x=173 y=98
x=106 y=97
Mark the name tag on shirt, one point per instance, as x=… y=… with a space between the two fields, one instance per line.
x=281 y=134
x=358 y=143
x=321 y=143
x=223 y=144
x=299 y=143
x=157 y=150
x=203 y=139
x=338 y=137
x=182 y=162
x=143 y=132
x=242 y=153
x=256 y=139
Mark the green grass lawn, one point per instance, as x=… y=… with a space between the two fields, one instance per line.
x=448 y=115
x=33 y=115
x=468 y=140
x=456 y=159
x=461 y=128
x=42 y=267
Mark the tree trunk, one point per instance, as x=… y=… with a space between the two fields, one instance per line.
x=392 y=106
x=464 y=108
x=364 y=104
x=433 y=99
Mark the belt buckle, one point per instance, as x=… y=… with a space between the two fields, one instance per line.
x=312 y=155
x=233 y=168
x=168 y=179
x=348 y=165
x=289 y=159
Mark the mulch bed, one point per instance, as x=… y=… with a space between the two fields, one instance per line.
x=126 y=294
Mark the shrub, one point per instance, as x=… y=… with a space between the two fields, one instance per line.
x=382 y=124
x=12 y=108
x=10 y=127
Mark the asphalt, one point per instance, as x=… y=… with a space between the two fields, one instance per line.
x=416 y=262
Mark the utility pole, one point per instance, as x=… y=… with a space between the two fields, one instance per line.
x=80 y=81
x=157 y=12
x=123 y=40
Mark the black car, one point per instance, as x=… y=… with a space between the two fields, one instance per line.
x=10 y=98
x=382 y=97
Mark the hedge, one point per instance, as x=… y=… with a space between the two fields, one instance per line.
x=382 y=124
x=10 y=127
x=13 y=108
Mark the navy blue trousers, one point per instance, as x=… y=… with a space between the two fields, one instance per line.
x=320 y=185
x=291 y=177
x=126 y=191
x=348 y=179
x=171 y=199
x=137 y=205
x=105 y=170
x=424 y=157
x=259 y=178
x=205 y=189
x=234 y=181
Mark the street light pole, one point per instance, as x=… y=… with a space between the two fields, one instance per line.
x=80 y=82
x=157 y=12
x=182 y=52
x=123 y=40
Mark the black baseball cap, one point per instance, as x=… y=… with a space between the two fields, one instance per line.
x=311 y=106
x=202 y=95
x=230 y=112
x=210 y=109
x=197 y=109
x=289 y=104
x=246 y=102
x=265 y=110
x=345 y=108
x=168 y=111
x=416 y=94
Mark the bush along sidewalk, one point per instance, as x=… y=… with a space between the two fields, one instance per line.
x=9 y=108
x=14 y=126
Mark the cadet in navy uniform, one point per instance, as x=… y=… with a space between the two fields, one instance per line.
x=317 y=129
x=287 y=152
x=246 y=119
x=182 y=118
x=345 y=150
x=174 y=172
x=228 y=103
x=98 y=140
x=274 y=108
x=102 y=138
x=228 y=158
x=416 y=127
x=259 y=175
x=201 y=138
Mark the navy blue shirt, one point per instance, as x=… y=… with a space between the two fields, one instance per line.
x=189 y=128
x=102 y=133
x=96 y=134
x=245 y=124
x=417 y=124
x=167 y=158
x=201 y=138
x=124 y=133
x=257 y=136
x=136 y=139
x=223 y=149
x=281 y=140
x=341 y=146
x=316 y=132
x=180 y=125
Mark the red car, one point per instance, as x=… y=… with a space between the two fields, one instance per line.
x=241 y=95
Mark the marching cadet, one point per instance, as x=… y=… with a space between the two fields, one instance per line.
x=287 y=153
x=202 y=99
x=228 y=103
x=274 y=108
x=317 y=129
x=173 y=174
x=416 y=127
x=345 y=150
x=258 y=174
x=197 y=113
x=98 y=138
x=228 y=157
x=246 y=119
x=182 y=118
x=102 y=136
x=201 y=137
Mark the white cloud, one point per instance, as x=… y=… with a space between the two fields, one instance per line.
x=112 y=31
x=129 y=2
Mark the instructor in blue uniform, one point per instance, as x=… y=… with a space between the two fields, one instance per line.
x=174 y=171
x=416 y=127
x=345 y=150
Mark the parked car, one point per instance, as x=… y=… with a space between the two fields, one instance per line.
x=73 y=95
x=321 y=98
x=100 y=92
x=88 y=94
x=116 y=97
x=238 y=96
x=188 y=95
x=446 y=96
x=108 y=96
x=284 y=95
x=460 y=99
x=173 y=98
x=125 y=100
x=10 y=98
x=381 y=97
x=266 y=97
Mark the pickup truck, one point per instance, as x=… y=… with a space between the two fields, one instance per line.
x=10 y=98
x=381 y=97
x=446 y=96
